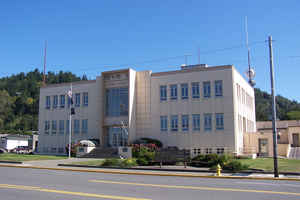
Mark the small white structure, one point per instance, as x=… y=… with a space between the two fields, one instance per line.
x=86 y=146
x=10 y=142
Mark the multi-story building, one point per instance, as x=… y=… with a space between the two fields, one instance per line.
x=204 y=109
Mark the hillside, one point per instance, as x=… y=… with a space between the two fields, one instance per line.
x=19 y=101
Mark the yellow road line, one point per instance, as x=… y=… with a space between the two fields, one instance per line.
x=23 y=187
x=196 y=188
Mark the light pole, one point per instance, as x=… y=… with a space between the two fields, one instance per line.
x=276 y=174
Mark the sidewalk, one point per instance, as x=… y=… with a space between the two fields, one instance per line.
x=149 y=170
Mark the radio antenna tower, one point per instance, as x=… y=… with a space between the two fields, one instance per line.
x=45 y=60
x=250 y=72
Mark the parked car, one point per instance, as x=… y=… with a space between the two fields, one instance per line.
x=22 y=150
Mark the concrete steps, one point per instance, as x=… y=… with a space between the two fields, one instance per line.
x=295 y=153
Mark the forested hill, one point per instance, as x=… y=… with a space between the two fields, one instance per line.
x=286 y=109
x=19 y=101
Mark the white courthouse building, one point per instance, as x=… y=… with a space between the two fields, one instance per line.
x=200 y=108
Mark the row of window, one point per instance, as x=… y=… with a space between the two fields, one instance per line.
x=54 y=150
x=61 y=101
x=64 y=126
x=244 y=97
x=195 y=90
x=208 y=151
x=185 y=122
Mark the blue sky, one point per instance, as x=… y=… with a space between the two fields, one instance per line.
x=88 y=37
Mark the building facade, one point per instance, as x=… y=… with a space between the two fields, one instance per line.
x=203 y=109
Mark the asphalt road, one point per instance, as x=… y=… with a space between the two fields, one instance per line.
x=37 y=184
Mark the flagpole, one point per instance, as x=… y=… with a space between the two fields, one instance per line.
x=70 y=123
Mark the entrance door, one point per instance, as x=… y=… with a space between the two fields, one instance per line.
x=295 y=140
x=263 y=147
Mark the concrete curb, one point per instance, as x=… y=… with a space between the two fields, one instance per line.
x=153 y=174
x=180 y=170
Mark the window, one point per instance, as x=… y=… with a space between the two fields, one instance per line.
x=60 y=150
x=62 y=101
x=218 y=88
x=48 y=102
x=185 y=122
x=184 y=91
x=196 y=122
x=61 y=126
x=173 y=92
x=76 y=126
x=55 y=101
x=85 y=99
x=219 y=121
x=207 y=122
x=117 y=102
x=163 y=92
x=53 y=150
x=220 y=150
x=199 y=151
x=174 y=123
x=77 y=99
x=163 y=123
x=67 y=126
x=84 y=127
x=206 y=89
x=208 y=150
x=195 y=90
x=47 y=127
x=54 y=126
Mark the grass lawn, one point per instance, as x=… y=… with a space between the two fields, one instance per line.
x=90 y=162
x=284 y=165
x=26 y=157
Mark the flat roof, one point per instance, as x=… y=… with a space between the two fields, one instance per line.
x=193 y=69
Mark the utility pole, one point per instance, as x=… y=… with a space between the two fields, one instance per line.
x=273 y=110
x=70 y=118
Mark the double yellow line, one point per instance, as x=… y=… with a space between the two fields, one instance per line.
x=23 y=187
x=196 y=187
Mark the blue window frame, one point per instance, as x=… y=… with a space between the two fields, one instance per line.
x=47 y=126
x=77 y=99
x=206 y=89
x=116 y=102
x=85 y=99
x=163 y=123
x=61 y=126
x=195 y=90
x=218 y=88
x=196 y=122
x=173 y=91
x=76 y=126
x=174 y=123
x=62 y=101
x=55 y=101
x=219 y=121
x=184 y=91
x=163 y=92
x=54 y=126
x=48 y=102
x=84 y=126
x=185 y=122
x=207 y=122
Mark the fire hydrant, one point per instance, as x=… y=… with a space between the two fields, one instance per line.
x=219 y=170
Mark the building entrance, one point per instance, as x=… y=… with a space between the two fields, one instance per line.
x=263 y=147
x=117 y=137
x=295 y=140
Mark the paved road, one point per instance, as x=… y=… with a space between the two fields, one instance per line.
x=36 y=184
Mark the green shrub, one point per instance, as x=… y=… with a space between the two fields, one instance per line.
x=143 y=155
x=235 y=165
x=130 y=162
x=111 y=162
x=153 y=141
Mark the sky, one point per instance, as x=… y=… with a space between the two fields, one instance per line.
x=91 y=36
